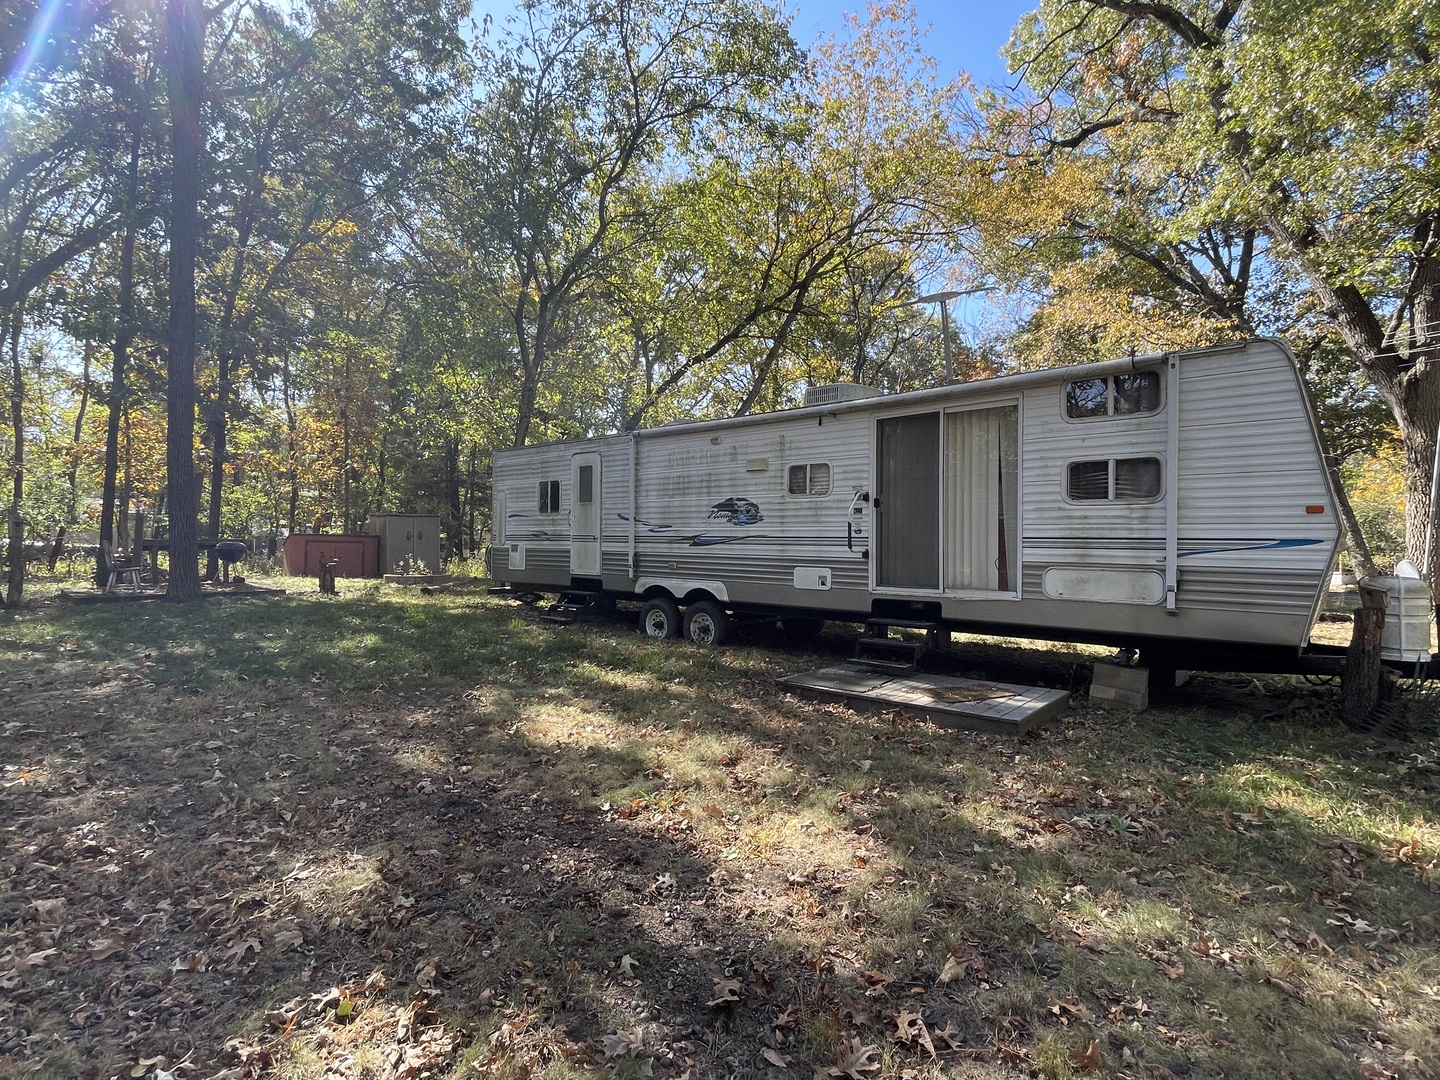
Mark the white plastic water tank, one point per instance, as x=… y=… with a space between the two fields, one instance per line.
x=1407 y=615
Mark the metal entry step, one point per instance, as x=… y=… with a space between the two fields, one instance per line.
x=877 y=650
x=570 y=606
x=888 y=654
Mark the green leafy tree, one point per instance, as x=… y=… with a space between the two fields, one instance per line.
x=578 y=100
x=1308 y=121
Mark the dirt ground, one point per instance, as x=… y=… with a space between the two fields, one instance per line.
x=289 y=876
x=212 y=883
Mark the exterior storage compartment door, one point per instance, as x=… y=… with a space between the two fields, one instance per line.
x=907 y=502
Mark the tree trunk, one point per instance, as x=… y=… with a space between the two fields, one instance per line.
x=472 y=543
x=1419 y=426
x=184 y=22
x=120 y=355
x=292 y=468
x=1360 y=684
x=455 y=512
x=15 y=585
x=219 y=424
x=72 y=474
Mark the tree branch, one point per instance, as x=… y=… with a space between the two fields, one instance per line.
x=1178 y=23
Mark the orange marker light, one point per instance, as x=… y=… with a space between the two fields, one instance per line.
x=1314 y=509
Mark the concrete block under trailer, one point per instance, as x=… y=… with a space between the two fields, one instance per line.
x=1174 y=503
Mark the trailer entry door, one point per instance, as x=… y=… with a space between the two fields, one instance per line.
x=585 y=515
x=907 y=503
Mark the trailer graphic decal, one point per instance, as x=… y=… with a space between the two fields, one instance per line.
x=701 y=540
x=650 y=526
x=1273 y=545
x=737 y=512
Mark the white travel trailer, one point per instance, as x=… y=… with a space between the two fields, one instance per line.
x=1175 y=503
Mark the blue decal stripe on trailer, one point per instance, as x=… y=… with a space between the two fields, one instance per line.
x=1252 y=546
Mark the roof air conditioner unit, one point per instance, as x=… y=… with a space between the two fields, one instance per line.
x=834 y=393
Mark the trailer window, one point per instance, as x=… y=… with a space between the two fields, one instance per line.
x=549 y=496
x=1134 y=394
x=809 y=479
x=1114 y=480
x=586 y=494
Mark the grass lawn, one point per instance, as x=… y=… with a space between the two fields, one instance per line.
x=382 y=835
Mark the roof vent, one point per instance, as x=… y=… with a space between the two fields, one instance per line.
x=834 y=393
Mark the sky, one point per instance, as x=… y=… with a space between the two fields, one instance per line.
x=965 y=35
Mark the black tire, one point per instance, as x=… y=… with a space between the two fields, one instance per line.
x=660 y=618
x=707 y=624
x=801 y=628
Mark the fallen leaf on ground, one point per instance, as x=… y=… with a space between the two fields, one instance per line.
x=959 y=965
x=855 y=1060
x=1087 y=1059
x=1067 y=1008
x=244 y=945
x=624 y=1043
x=727 y=991
x=287 y=939
x=104 y=948
x=950 y=1033
x=910 y=1029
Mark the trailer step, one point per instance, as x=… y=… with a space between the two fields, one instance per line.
x=570 y=606
x=888 y=654
x=878 y=626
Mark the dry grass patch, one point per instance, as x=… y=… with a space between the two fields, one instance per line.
x=392 y=836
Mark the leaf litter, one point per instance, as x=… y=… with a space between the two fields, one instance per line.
x=231 y=883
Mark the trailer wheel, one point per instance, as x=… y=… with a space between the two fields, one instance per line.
x=707 y=624
x=660 y=618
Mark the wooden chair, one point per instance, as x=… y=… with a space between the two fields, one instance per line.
x=117 y=570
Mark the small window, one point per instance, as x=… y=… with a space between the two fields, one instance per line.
x=1114 y=480
x=1117 y=395
x=1087 y=397
x=586 y=493
x=549 y=496
x=809 y=479
x=1137 y=479
x=1138 y=393
x=1089 y=481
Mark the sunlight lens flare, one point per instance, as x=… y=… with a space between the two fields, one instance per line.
x=35 y=42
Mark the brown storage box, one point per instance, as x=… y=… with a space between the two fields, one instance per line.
x=358 y=556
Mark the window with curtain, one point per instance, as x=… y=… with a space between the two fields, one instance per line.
x=1114 y=480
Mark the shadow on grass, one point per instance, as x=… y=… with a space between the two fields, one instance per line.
x=302 y=791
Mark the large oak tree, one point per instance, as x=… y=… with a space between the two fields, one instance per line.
x=1311 y=121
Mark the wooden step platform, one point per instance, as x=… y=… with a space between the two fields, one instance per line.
x=968 y=704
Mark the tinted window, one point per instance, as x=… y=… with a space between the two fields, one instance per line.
x=1137 y=393
x=1087 y=397
x=1116 y=395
